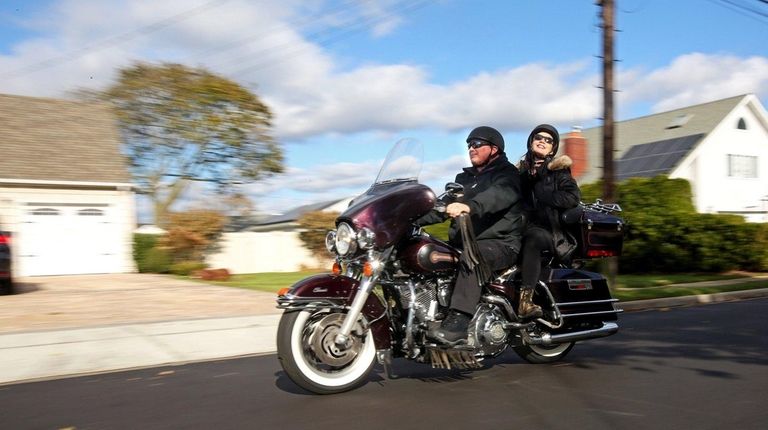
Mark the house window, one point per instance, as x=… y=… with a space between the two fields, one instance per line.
x=741 y=125
x=90 y=212
x=742 y=166
x=45 y=212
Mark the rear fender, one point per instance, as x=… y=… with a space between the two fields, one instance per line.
x=339 y=291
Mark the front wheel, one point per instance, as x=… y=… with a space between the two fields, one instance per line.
x=539 y=354
x=309 y=355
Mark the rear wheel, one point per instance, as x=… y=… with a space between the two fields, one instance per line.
x=539 y=354
x=310 y=357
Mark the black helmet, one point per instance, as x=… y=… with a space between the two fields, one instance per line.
x=549 y=129
x=488 y=134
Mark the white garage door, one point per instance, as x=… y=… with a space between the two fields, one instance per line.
x=68 y=239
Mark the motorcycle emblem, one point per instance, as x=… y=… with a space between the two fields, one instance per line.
x=579 y=284
x=319 y=290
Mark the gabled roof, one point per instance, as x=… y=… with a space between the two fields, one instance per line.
x=682 y=129
x=59 y=141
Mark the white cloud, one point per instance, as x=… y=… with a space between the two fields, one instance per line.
x=695 y=78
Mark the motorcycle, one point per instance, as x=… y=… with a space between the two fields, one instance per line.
x=392 y=281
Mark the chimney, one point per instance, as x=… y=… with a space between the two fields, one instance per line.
x=576 y=148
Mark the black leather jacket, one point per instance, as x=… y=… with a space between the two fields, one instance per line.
x=494 y=200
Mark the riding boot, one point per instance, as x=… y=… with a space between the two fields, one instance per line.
x=527 y=309
x=452 y=329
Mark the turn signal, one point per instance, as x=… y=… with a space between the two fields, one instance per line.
x=283 y=291
x=367 y=269
x=336 y=269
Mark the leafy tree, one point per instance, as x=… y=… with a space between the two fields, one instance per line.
x=191 y=234
x=314 y=227
x=186 y=124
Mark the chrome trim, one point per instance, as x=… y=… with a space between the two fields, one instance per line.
x=607 y=329
x=591 y=302
x=584 y=314
x=411 y=314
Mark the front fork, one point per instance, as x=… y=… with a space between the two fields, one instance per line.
x=376 y=262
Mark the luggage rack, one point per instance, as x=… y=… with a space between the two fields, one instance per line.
x=599 y=206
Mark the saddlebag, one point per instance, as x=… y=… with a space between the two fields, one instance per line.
x=582 y=296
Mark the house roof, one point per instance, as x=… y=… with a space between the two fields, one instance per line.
x=669 y=137
x=60 y=141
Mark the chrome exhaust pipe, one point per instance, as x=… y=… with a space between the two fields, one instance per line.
x=607 y=329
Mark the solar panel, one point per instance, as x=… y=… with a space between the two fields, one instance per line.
x=655 y=158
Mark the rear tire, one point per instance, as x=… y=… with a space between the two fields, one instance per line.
x=541 y=354
x=312 y=360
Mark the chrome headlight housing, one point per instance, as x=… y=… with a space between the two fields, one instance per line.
x=366 y=238
x=330 y=241
x=345 y=239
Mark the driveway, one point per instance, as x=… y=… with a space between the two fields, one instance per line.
x=56 y=302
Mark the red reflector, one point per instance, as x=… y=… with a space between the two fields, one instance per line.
x=600 y=253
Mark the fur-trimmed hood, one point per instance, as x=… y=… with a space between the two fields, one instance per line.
x=558 y=163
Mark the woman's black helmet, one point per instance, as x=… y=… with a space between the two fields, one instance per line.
x=488 y=134
x=549 y=129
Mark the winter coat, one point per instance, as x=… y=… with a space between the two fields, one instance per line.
x=546 y=195
x=495 y=204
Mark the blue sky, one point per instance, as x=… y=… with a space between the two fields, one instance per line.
x=345 y=79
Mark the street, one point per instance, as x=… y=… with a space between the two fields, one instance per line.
x=702 y=367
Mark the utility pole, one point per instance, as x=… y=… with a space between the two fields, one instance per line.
x=608 y=126
x=611 y=264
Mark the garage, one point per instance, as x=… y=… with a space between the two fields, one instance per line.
x=66 y=195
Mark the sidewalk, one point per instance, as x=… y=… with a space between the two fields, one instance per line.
x=73 y=325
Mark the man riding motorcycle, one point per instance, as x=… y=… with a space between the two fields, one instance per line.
x=493 y=203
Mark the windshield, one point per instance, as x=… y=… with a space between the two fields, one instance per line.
x=403 y=162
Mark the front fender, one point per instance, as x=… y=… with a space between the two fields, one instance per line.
x=339 y=291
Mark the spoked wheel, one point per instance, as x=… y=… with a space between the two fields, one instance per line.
x=311 y=358
x=538 y=354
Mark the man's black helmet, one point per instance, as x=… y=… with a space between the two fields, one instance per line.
x=549 y=129
x=488 y=134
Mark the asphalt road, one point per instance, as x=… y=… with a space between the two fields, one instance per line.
x=703 y=367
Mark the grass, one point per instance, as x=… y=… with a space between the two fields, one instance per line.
x=630 y=287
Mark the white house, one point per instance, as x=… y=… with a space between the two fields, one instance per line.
x=65 y=191
x=720 y=147
x=272 y=245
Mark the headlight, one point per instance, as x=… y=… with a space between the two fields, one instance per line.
x=330 y=241
x=366 y=238
x=345 y=239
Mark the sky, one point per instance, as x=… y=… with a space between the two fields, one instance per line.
x=346 y=79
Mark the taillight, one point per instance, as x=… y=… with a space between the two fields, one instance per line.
x=601 y=253
x=4 y=240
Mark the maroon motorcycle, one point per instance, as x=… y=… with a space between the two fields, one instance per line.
x=392 y=281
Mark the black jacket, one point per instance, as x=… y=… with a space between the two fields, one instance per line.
x=547 y=194
x=495 y=205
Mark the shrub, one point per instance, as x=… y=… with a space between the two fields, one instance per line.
x=185 y=268
x=192 y=234
x=142 y=243
x=156 y=260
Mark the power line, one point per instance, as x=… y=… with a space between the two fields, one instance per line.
x=403 y=7
x=743 y=9
x=112 y=41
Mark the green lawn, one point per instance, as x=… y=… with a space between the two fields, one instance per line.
x=630 y=287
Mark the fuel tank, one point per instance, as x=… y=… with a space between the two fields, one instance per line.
x=426 y=254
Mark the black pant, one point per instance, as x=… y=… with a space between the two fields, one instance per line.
x=536 y=240
x=466 y=292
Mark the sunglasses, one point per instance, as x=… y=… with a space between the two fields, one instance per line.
x=544 y=138
x=476 y=144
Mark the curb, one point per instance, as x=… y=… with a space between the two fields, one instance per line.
x=700 y=299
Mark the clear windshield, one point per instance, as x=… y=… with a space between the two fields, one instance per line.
x=403 y=162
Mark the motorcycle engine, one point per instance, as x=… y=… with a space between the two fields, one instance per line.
x=425 y=299
x=486 y=330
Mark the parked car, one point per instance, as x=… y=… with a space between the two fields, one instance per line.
x=6 y=280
